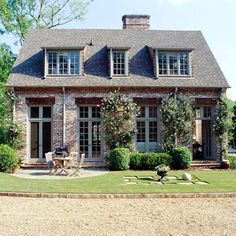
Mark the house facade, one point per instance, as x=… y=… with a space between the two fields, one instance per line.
x=61 y=76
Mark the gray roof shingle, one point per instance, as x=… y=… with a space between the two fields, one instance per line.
x=28 y=68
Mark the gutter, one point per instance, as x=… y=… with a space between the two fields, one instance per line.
x=64 y=116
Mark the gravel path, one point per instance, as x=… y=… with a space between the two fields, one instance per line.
x=28 y=216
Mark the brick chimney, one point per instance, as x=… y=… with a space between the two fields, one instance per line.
x=136 y=22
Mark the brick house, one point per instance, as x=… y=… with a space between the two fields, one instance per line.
x=61 y=76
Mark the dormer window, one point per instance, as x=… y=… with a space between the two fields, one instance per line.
x=173 y=63
x=118 y=62
x=63 y=63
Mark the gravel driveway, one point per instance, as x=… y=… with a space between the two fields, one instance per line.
x=28 y=216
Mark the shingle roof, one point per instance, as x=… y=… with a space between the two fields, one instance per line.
x=28 y=68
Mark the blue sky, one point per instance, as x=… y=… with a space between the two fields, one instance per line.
x=215 y=18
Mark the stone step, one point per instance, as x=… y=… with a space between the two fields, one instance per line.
x=44 y=165
x=208 y=164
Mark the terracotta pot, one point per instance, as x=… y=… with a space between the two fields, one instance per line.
x=225 y=164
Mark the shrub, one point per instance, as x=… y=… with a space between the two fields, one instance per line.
x=232 y=162
x=8 y=158
x=119 y=159
x=148 y=161
x=181 y=158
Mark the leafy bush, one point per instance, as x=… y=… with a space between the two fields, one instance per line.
x=232 y=162
x=119 y=115
x=181 y=158
x=148 y=161
x=119 y=159
x=8 y=158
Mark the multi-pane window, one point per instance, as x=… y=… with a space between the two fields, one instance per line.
x=119 y=63
x=74 y=63
x=174 y=64
x=183 y=61
x=64 y=63
x=141 y=131
x=204 y=113
x=52 y=63
x=83 y=112
x=96 y=112
x=207 y=112
x=162 y=60
x=153 y=131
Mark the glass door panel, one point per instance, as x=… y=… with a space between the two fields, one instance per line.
x=46 y=132
x=84 y=137
x=34 y=140
x=40 y=132
x=90 y=132
x=207 y=147
x=96 y=139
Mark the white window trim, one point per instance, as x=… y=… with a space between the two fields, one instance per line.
x=112 y=63
x=168 y=64
x=69 y=58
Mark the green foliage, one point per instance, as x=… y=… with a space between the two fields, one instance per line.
x=177 y=117
x=8 y=158
x=119 y=159
x=18 y=16
x=222 y=123
x=119 y=115
x=7 y=59
x=232 y=161
x=181 y=158
x=148 y=161
x=10 y=133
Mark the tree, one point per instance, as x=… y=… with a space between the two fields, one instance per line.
x=18 y=16
x=177 y=117
x=119 y=115
x=222 y=123
x=7 y=128
x=7 y=58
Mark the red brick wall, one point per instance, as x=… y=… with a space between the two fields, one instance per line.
x=71 y=121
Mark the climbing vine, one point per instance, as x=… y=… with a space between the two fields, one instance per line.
x=177 y=117
x=119 y=115
x=222 y=122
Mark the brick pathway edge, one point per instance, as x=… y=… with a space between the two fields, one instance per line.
x=120 y=196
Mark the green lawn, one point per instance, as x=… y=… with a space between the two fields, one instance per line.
x=113 y=182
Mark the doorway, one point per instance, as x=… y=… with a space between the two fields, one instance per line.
x=40 y=132
x=203 y=134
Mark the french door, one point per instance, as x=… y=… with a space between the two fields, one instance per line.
x=40 y=132
x=147 y=138
x=89 y=132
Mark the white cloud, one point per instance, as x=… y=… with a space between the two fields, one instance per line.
x=171 y=2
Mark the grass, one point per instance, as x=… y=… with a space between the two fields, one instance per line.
x=113 y=182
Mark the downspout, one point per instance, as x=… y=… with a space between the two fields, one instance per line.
x=64 y=116
x=13 y=105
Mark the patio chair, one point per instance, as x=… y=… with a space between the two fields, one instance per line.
x=51 y=164
x=76 y=165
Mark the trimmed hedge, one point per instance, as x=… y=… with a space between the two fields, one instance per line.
x=181 y=158
x=148 y=161
x=8 y=159
x=232 y=161
x=119 y=159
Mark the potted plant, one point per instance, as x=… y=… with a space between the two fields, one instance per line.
x=162 y=171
